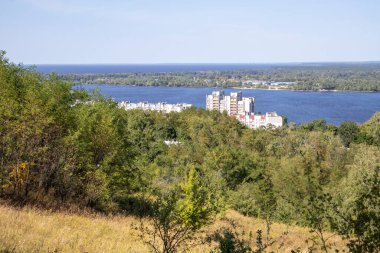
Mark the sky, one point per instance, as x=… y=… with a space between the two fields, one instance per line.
x=189 y=31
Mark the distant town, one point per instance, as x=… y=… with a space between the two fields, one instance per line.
x=305 y=77
x=235 y=105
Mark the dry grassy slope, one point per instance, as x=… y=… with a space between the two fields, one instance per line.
x=31 y=230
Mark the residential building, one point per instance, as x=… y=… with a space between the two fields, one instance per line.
x=242 y=108
x=268 y=120
x=235 y=98
x=213 y=100
x=234 y=104
x=161 y=106
x=246 y=105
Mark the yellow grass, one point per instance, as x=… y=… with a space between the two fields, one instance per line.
x=32 y=230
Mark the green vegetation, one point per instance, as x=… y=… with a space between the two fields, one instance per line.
x=61 y=147
x=324 y=76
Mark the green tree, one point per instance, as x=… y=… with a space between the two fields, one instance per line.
x=178 y=213
x=371 y=130
x=357 y=201
x=348 y=132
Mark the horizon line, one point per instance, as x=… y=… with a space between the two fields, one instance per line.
x=208 y=63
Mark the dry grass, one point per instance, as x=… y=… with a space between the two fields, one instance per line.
x=286 y=238
x=32 y=230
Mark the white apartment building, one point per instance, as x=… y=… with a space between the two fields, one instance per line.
x=213 y=100
x=235 y=98
x=268 y=120
x=163 y=107
x=234 y=104
x=242 y=108
x=246 y=105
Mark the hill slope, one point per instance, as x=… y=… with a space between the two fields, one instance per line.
x=32 y=230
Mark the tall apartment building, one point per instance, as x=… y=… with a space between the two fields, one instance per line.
x=213 y=100
x=234 y=104
x=246 y=105
x=235 y=98
x=242 y=108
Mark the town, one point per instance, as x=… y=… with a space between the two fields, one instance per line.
x=235 y=105
x=242 y=108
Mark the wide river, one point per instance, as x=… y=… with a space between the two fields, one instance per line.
x=298 y=106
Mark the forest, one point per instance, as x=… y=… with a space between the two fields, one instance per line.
x=314 y=77
x=62 y=147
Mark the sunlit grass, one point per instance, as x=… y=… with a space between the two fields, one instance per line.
x=32 y=230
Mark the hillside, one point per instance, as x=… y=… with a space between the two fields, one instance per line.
x=32 y=230
x=63 y=148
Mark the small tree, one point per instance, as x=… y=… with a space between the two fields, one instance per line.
x=19 y=180
x=315 y=209
x=317 y=219
x=230 y=241
x=178 y=214
x=267 y=205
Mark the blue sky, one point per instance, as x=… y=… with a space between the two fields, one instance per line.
x=189 y=31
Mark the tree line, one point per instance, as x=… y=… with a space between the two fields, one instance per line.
x=63 y=147
x=324 y=76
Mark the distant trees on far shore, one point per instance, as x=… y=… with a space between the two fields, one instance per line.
x=337 y=76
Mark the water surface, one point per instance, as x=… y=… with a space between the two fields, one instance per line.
x=298 y=106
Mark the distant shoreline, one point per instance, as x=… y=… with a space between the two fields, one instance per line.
x=235 y=87
x=287 y=89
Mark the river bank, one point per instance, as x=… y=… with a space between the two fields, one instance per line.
x=288 y=89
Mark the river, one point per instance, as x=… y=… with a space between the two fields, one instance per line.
x=297 y=106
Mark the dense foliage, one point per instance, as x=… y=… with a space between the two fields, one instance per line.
x=60 y=146
x=324 y=76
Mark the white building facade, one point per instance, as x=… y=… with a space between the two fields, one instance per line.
x=234 y=104
x=267 y=120
x=162 y=107
x=242 y=108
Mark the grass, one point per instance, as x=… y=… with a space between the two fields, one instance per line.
x=33 y=230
